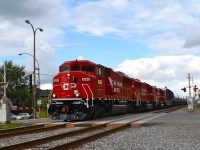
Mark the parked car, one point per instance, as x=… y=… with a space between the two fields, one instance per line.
x=13 y=117
x=21 y=116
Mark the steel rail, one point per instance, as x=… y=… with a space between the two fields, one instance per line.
x=51 y=138
x=88 y=139
x=21 y=129
x=32 y=130
x=168 y=109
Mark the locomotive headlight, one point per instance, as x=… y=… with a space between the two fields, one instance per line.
x=77 y=95
x=54 y=95
x=68 y=75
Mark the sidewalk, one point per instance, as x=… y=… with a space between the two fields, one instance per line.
x=182 y=116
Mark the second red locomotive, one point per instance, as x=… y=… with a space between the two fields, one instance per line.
x=83 y=89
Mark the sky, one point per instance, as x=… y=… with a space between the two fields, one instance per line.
x=155 y=41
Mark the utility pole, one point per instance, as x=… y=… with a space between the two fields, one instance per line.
x=4 y=83
x=190 y=99
x=4 y=79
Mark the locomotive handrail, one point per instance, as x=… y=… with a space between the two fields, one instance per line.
x=87 y=94
x=138 y=99
x=49 y=96
x=91 y=93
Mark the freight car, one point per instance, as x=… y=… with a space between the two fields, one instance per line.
x=83 y=89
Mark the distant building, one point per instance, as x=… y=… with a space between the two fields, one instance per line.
x=43 y=93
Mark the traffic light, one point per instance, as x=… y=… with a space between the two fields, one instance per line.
x=30 y=84
x=184 y=89
x=195 y=88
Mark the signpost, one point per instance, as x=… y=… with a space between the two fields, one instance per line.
x=39 y=102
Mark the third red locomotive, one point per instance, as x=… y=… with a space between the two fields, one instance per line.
x=83 y=89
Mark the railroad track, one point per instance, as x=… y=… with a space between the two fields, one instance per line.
x=103 y=128
x=29 y=130
x=9 y=131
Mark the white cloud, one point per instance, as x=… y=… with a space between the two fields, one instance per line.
x=17 y=36
x=166 y=26
x=46 y=86
x=161 y=71
x=80 y=58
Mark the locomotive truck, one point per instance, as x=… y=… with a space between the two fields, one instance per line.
x=85 y=90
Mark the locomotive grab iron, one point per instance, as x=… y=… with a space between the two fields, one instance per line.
x=83 y=89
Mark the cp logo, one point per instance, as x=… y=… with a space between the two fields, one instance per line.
x=69 y=86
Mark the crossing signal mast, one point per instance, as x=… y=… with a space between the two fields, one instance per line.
x=190 y=99
x=189 y=85
x=194 y=88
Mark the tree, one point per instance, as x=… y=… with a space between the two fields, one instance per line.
x=17 y=89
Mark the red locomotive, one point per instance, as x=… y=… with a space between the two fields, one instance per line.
x=83 y=89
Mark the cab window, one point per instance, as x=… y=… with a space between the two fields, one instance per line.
x=75 y=68
x=88 y=68
x=64 y=68
x=100 y=71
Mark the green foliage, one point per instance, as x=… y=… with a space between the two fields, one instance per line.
x=198 y=105
x=43 y=113
x=17 y=89
x=10 y=125
x=43 y=109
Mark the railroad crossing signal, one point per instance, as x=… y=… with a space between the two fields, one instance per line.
x=195 y=88
x=184 y=89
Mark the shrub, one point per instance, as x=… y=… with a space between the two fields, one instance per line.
x=198 y=105
x=43 y=113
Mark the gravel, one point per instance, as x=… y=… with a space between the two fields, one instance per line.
x=152 y=136
x=29 y=137
x=180 y=131
x=155 y=137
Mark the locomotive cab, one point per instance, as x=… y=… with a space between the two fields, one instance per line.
x=71 y=79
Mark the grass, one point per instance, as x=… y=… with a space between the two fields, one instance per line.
x=198 y=105
x=43 y=114
x=10 y=125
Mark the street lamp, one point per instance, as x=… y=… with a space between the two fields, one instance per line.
x=34 y=59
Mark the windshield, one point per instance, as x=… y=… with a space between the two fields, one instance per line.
x=64 y=68
x=88 y=68
x=75 y=68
